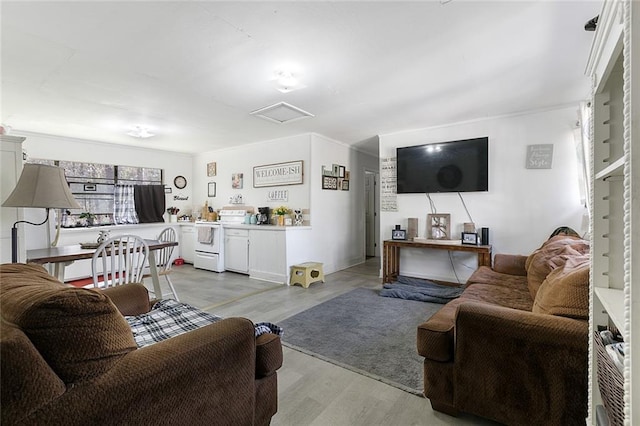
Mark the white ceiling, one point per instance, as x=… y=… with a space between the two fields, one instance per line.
x=192 y=72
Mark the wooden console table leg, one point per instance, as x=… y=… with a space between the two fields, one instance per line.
x=484 y=259
x=390 y=263
x=396 y=264
x=386 y=258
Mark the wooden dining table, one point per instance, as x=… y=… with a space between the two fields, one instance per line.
x=63 y=256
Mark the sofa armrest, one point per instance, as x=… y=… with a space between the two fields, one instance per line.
x=534 y=364
x=130 y=299
x=205 y=376
x=268 y=354
x=512 y=264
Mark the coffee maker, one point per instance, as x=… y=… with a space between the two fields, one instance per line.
x=263 y=215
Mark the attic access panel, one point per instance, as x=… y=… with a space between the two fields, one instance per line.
x=281 y=113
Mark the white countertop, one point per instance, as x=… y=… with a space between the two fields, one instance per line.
x=264 y=227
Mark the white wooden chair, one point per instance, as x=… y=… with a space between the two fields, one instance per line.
x=119 y=260
x=164 y=261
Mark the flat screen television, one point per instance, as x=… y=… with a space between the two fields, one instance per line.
x=455 y=166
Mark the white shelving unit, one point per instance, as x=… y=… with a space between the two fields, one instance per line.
x=11 y=168
x=615 y=220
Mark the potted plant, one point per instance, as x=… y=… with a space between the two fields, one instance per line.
x=280 y=212
x=88 y=218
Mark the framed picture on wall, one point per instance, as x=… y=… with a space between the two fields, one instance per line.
x=329 y=182
x=211 y=189
x=211 y=169
x=236 y=181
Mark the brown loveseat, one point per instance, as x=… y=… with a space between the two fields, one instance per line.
x=69 y=357
x=513 y=348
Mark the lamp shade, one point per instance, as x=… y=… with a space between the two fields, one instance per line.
x=42 y=186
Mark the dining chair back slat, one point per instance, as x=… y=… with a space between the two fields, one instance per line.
x=119 y=260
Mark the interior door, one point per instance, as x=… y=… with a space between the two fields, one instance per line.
x=370 y=213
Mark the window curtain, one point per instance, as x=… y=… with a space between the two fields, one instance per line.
x=124 y=206
x=150 y=203
x=582 y=136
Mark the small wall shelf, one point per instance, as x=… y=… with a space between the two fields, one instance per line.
x=614 y=169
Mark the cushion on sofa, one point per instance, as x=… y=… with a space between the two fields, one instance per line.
x=487 y=275
x=500 y=295
x=79 y=332
x=551 y=255
x=565 y=291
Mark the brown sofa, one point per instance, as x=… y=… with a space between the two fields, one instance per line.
x=69 y=357
x=513 y=348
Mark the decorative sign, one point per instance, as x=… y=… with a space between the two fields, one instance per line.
x=388 y=185
x=278 y=174
x=278 y=195
x=539 y=156
x=211 y=169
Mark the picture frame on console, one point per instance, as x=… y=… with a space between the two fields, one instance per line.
x=398 y=234
x=470 y=238
x=438 y=226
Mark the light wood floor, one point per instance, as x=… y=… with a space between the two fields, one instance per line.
x=312 y=391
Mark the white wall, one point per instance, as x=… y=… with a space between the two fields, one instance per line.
x=62 y=148
x=242 y=160
x=336 y=217
x=522 y=207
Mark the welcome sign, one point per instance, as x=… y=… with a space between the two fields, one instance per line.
x=278 y=174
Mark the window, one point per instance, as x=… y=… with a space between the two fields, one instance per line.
x=93 y=186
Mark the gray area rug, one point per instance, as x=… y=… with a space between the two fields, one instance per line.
x=366 y=333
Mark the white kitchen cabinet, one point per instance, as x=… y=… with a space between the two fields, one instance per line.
x=267 y=255
x=11 y=168
x=187 y=242
x=236 y=250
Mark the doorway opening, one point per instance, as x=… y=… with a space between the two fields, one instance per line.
x=371 y=213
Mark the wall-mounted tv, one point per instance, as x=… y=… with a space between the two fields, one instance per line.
x=455 y=166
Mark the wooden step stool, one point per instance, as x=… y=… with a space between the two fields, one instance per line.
x=306 y=273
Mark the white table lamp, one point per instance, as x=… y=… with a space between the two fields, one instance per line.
x=39 y=186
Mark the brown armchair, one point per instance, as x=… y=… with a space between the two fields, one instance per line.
x=68 y=357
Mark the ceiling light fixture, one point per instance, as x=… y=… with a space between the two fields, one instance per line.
x=287 y=81
x=140 y=133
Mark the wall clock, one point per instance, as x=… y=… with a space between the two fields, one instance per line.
x=180 y=182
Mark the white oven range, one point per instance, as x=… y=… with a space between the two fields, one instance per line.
x=209 y=248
